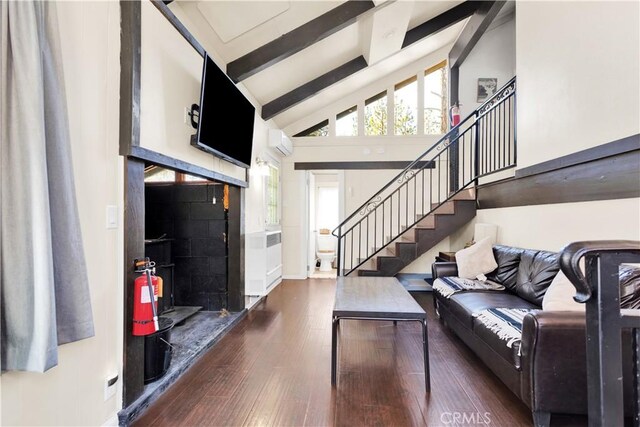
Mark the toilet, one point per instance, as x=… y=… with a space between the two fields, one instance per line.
x=326 y=252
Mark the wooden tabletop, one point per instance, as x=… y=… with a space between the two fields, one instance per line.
x=375 y=297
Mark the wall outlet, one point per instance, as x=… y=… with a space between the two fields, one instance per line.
x=110 y=386
x=186 y=117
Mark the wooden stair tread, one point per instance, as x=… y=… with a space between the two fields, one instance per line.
x=466 y=194
x=447 y=208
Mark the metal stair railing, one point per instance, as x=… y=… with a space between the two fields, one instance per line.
x=483 y=143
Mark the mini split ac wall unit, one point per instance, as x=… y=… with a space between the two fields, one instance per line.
x=280 y=141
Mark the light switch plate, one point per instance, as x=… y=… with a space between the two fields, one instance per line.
x=110 y=386
x=112 y=216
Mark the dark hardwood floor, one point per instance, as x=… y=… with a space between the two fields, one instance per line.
x=273 y=369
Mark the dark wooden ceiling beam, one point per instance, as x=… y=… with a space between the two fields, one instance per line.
x=309 y=89
x=441 y=22
x=475 y=28
x=297 y=39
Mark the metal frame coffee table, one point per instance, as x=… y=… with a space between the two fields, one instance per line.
x=375 y=298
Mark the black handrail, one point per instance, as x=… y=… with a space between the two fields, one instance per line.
x=599 y=289
x=464 y=139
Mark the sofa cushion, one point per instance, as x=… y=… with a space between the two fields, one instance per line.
x=464 y=304
x=508 y=260
x=559 y=296
x=476 y=261
x=535 y=273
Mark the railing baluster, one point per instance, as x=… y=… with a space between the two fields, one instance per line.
x=490 y=129
x=359 y=243
x=367 y=248
x=492 y=126
x=494 y=146
x=474 y=148
x=431 y=186
x=439 y=182
x=487 y=126
x=391 y=218
x=406 y=208
x=463 y=150
x=383 y=223
x=351 y=257
x=415 y=193
x=399 y=208
x=515 y=129
x=375 y=229
x=496 y=131
x=448 y=187
x=510 y=115
x=423 y=212
x=504 y=132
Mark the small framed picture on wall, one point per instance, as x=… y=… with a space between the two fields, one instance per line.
x=487 y=86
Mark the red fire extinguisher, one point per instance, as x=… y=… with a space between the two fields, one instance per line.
x=455 y=115
x=145 y=302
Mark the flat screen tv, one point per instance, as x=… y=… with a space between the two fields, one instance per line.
x=226 y=119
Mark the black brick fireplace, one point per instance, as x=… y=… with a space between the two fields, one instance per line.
x=187 y=214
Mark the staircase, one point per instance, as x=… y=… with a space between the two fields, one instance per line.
x=432 y=197
x=429 y=231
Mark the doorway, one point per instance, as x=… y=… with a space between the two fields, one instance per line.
x=324 y=215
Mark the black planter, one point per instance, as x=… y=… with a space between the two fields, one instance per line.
x=157 y=351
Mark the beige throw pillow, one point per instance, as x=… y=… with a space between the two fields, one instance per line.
x=559 y=296
x=476 y=261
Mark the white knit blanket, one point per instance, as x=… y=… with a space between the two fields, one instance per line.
x=505 y=322
x=447 y=286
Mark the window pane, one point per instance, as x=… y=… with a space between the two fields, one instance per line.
x=347 y=122
x=319 y=129
x=435 y=100
x=272 y=195
x=158 y=174
x=406 y=107
x=375 y=115
x=327 y=208
x=193 y=178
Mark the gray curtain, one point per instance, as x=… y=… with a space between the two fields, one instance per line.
x=43 y=279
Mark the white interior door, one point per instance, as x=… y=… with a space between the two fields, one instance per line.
x=311 y=191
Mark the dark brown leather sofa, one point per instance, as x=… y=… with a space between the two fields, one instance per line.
x=547 y=370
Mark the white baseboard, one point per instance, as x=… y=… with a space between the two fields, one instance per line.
x=294 y=277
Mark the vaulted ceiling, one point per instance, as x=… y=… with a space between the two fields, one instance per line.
x=295 y=57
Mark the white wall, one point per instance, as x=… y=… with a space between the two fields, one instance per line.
x=72 y=392
x=577 y=88
x=578 y=73
x=493 y=56
x=551 y=227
